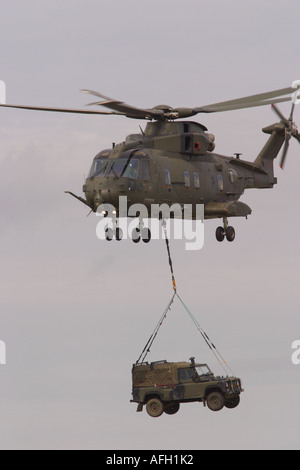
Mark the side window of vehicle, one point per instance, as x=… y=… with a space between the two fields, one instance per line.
x=187 y=180
x=145 y=170
x=185 y=374
x=220 y=182
x=167 y=177
x=196 y=180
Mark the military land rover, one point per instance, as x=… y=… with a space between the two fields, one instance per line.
x=162 y=386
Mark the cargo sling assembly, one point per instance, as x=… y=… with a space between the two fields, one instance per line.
x=218 y=356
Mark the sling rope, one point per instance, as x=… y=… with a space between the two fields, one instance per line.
x=169 y=255
x=151 y=340
x=225 y=366
x=220 y=359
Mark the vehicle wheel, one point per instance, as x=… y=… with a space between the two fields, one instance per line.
x=155 y=407
x=136 y=235
x=146 y=235
x=109 y=234
x=230 y=234
x=232 y=402
x=220 y=234
x=119 y=234
x=215 y=401
x=172 y=408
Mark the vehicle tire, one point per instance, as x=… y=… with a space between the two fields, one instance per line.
x=136 y=235
x=146 y=235
x=232 y=402
x=215 y=401
x=230 y=234
x=172 y=408
x=119 y=234
x=155 y=407
x=220 y=234
x=109 y=234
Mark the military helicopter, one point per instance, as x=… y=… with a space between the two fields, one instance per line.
x=174 y=161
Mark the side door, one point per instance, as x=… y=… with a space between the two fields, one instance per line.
x=188 y=388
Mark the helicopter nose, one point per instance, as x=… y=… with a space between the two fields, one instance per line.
x=98 y=200
x=105 y=195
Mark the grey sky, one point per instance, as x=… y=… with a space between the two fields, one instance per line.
x=76 y=312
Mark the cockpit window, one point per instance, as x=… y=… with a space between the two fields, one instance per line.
x=99 y=167
x=132 y=169
x=117 y=167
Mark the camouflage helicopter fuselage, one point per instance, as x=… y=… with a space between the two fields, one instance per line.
x=174 y=162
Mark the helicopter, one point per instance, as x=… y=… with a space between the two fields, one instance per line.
x=173 y=161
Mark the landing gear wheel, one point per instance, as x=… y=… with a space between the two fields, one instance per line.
x=136 y=235
x=172 y=408
x=230 y=234
x=146 y=235
x=119 y=234
x=220 y=234
x=155 y=407
x=109 y=234
x=232 y=402
x=215 y=401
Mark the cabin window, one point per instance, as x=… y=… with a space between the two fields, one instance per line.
x=187 y=180
x=196 y=180
x=145 y=170
x=233 y=176
x=220 y=182
x=167 y=177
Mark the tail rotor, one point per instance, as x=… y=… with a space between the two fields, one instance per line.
x=290 y=131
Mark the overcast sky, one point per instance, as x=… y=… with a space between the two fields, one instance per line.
x=75 y=312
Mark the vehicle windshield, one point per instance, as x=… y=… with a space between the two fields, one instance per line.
x=99 y=167
x=203 y=370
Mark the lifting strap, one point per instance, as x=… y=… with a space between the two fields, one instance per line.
x=147 y=348
x=206 y=338
x=169 y=255
x=225 y=366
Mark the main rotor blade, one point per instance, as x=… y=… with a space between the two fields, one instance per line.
x=284 y=153
x=219 y=109
x=59 y=110
x=128 y=110
x=258 y=98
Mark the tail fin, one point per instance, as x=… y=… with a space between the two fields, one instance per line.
x=2 y=92
x=266 y=157
x=273 y=145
